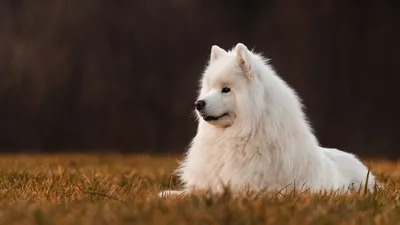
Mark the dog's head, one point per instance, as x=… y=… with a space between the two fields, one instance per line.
x=224 y=81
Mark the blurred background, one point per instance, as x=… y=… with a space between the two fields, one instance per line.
x=121 y=76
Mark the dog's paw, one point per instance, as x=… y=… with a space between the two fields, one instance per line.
x=169 y=193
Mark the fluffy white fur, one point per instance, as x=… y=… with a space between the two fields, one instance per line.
x=263 y=140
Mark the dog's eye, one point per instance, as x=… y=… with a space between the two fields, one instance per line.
x=226 y=90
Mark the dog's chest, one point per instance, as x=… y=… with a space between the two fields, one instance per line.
x=239 y=165
x=237 y=161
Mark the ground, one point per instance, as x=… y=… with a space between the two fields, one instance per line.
x=112 y=189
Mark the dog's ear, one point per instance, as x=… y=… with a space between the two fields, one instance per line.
x=243 y=59
x=216 y=52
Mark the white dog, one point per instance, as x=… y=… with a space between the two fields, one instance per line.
x=252 y=134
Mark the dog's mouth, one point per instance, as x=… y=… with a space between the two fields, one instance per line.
x=214 y=118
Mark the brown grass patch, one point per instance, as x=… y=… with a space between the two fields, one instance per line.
x=112 y=189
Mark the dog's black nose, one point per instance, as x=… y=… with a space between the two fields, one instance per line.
x=200 y=104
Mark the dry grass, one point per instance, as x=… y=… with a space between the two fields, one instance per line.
x=78 y=189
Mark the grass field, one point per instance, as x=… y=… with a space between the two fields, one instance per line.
x=82 y=189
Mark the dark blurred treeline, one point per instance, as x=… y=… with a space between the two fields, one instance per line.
x=92 y=75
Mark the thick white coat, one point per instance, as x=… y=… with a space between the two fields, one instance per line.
x=266 y=142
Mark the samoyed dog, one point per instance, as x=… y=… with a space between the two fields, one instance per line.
x=253 y=135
